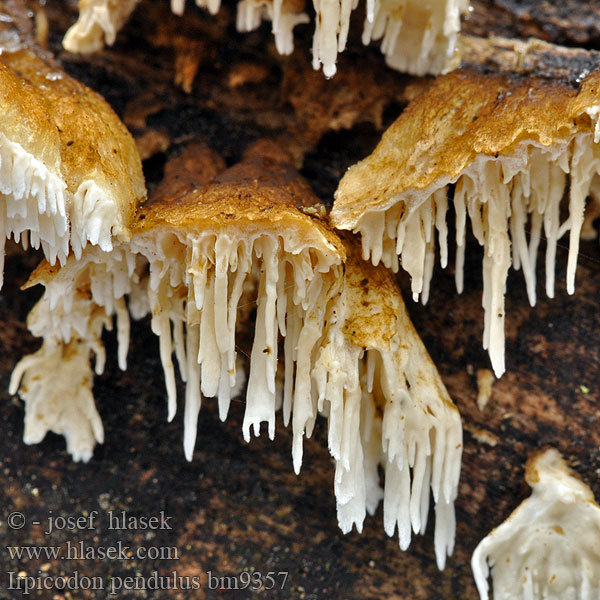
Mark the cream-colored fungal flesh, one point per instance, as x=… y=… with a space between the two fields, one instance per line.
x=548 y=547
x=64 y=405
x=416 y=37
x=79 y=301
x=512 y=200
x=98 y=23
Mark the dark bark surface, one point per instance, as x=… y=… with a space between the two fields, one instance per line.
x=568 y=22
x=239 y=507
x=532 y=58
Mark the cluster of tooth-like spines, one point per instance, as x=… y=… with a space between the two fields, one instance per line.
x=510 y=201
x=33 y=209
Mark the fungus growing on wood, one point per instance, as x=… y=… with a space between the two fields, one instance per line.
x=548 y=547
x=388 y=406
x=211 y=245
x=504 y=150
x=259 y=225
x=252 y=231
x=416 y=37
x=69 y=169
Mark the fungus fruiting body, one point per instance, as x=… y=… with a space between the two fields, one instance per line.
x=200 y=259
x=503 y=150
x=70 y=173
x=387 y=406
x=199 y=247
x=416 y=37
x=548 y=547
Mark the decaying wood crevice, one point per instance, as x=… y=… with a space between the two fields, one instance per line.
x=567 y=22
x=531 y=58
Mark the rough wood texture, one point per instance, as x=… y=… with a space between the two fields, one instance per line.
x=239 y=506
x=568 y=22
x=533 y=58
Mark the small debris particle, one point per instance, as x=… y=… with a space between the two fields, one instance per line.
x=485 y=380
x=482 y=435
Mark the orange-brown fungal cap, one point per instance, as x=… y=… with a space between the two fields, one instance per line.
x=506 y=144
x=71 y=173
x=94 y=143
x=261 y=193
x=460 y=116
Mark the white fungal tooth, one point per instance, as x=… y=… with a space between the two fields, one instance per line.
x=260 y=398
x=221 y=280
x=584 y=164
x=209 y=356
x=123 y=329
x=193 y=398
x=161 y=327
